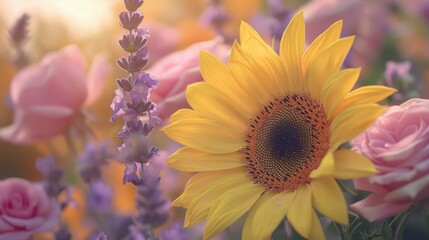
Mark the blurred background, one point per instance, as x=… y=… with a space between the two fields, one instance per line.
x=386 y=30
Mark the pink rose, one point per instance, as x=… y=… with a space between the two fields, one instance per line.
x=25 y=208
x=398 y=145
x=47 y=96
x=179 y=69
x=163 y=40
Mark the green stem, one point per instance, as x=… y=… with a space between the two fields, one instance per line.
x=401 y=225
x=342 y=231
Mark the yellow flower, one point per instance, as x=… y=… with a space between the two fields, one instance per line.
x=264 y=134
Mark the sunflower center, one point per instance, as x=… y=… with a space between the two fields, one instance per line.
x=286 y=141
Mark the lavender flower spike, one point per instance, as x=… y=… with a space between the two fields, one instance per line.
x=132 y=104
x=18 y=33
x=52 y=175
x=102 y=236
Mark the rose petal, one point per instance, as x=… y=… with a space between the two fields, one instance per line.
x=24 y=235
x=409 y=192
x=99 y=71
x=37 y=124
x=373 y=208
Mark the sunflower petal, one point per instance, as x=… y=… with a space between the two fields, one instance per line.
x=326 y=64
x=337 y=87
x=208 y=194
x=316 y=228
x=349 y=164
x=299 y=214
x=291 y=50
x=199 y=208
x=214 y=104
x=264 y=60
x=185 y=113
x=364 y=95
x=266 y=215
x=205 y=135
x=250 y=82
x=328 y=199
x=218 y=75
x=204 y=180
x=326 y=167
x=329 y=36
x=230 y=207
x=353 y=121
x=191 y=160
x=215 y=72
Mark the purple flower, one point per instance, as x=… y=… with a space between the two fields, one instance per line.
x=52 y=175
x=19 y=31
x=101 y=236
x=132 y=104
x=130 y=174
x=137 y=149
x=153 y=208
x=132 y=43
x=92 y=158
x=397 y=74
x=100 y=196
x=132 y=5
x=50 y=172
x=214 y=15
x=135 y=234
x=132 y=64
x=125 y=84
x=63 y=233
x=175 y=232
x=130 y=20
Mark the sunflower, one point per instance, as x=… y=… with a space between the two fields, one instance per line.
x=265 y=130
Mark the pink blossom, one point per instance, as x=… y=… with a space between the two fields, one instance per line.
x=163 y=40
x=398 y=145
x=25 y=208
x=365 y=19
x=47 y=96
x=179 y=69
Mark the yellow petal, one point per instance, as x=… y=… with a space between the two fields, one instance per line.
x=328 y=199
x=316 y=228
x=329 y=36
x=251 y=83
x=266 y=215
x=291 y=50
x=199 y=208
x=352 y=122
x=363 y=95
x=216 y=105
x=230 y=206
x=191 y=160
x=326 y=167
x=263 y=60
x=217 y=74
x=205 y=135
x=185 y=113
x=326 y=64
x=203 y=194
x=203 y=180
x=349 y=164
x=299 y=214
x=337 y=87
